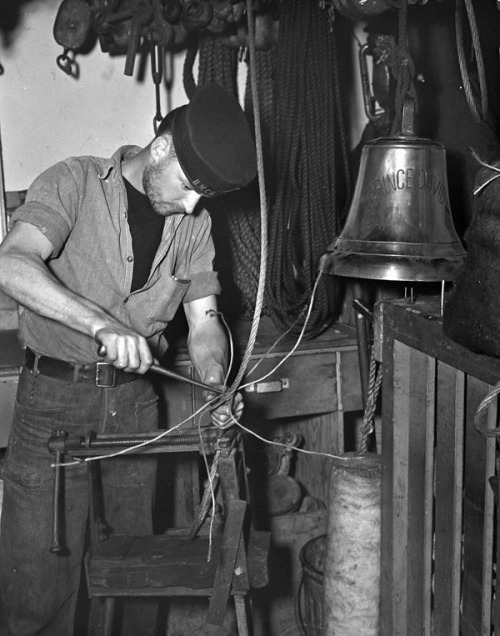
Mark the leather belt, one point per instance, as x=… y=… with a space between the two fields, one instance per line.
x=101 y=374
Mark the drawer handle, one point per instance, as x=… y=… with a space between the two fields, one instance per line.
x=268 y=387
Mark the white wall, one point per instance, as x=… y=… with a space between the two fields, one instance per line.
x=46 y=115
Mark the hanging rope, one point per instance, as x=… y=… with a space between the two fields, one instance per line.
x=304 y=217
x=264 y=73
x=244 y=219
x=479 y=116
x=207 y=496
x=217 y=63
x=206 y=500
x=374 y=383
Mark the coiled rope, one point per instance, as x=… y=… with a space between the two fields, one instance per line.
x=304 y=218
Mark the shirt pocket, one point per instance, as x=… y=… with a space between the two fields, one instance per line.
x=150 y=310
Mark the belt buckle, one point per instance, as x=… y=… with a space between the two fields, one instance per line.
x=105 y=376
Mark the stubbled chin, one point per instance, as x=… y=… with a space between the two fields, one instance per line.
x=167 y=209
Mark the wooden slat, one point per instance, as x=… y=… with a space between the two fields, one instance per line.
x=397 y=502
x=225 y=568
x=420 y=492
x=420 y=327
x=488 y=528
x=387 y=549
x=428 y=555
x=464 y=512
x=450 y=398
x=478 y=518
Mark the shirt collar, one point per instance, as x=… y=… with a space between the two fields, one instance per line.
x=114 y=163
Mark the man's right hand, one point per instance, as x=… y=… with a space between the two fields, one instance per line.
x=124 y=349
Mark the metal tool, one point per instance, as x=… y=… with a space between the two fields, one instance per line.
x=155 y=368
x=62 y=443
x=176 y=376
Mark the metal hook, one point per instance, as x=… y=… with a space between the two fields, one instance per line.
x=157 y=59
x=68 y=65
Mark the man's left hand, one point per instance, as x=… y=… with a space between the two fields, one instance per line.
x=224 y=415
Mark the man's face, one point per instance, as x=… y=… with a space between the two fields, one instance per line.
x=168 y=189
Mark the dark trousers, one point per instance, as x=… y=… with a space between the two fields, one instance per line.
x=39 y=589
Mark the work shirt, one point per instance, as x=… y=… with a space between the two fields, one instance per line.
x=80 y=205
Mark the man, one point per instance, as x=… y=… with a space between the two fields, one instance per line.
x=103 y=252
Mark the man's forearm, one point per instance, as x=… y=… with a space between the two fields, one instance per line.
x=208 y=349
x=28 y=281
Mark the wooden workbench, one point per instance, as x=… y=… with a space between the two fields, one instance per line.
x=437 y=548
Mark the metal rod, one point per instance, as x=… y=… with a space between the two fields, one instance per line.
x=155 y=368
x=57 y=541
x=176 y=376
x=76 y=445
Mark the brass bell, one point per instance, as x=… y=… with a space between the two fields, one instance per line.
x=399 y=226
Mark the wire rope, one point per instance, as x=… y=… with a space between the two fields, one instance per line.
x=478 y=115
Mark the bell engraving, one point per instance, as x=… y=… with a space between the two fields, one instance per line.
x=399 y=226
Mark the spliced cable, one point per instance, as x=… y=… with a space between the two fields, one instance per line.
x=299 y=339
x=263 y=205
x=275 y=344
x=299 y=450
x=485 y=165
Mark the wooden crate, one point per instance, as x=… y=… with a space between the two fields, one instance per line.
x=438 y=513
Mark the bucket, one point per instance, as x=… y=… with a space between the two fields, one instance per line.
x=312 y=558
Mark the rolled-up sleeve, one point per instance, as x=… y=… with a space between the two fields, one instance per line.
x=51 y=204
x=199 y=254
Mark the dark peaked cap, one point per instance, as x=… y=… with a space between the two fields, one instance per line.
x=213 y=142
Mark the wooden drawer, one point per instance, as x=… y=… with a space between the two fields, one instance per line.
x=322 y=376
x=304 y=384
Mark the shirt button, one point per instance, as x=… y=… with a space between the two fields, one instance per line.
x=130 y=259
x=126 y=300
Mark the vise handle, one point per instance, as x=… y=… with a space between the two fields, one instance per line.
x=56 y=446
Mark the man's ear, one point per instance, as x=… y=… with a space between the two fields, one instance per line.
x=160 y=148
